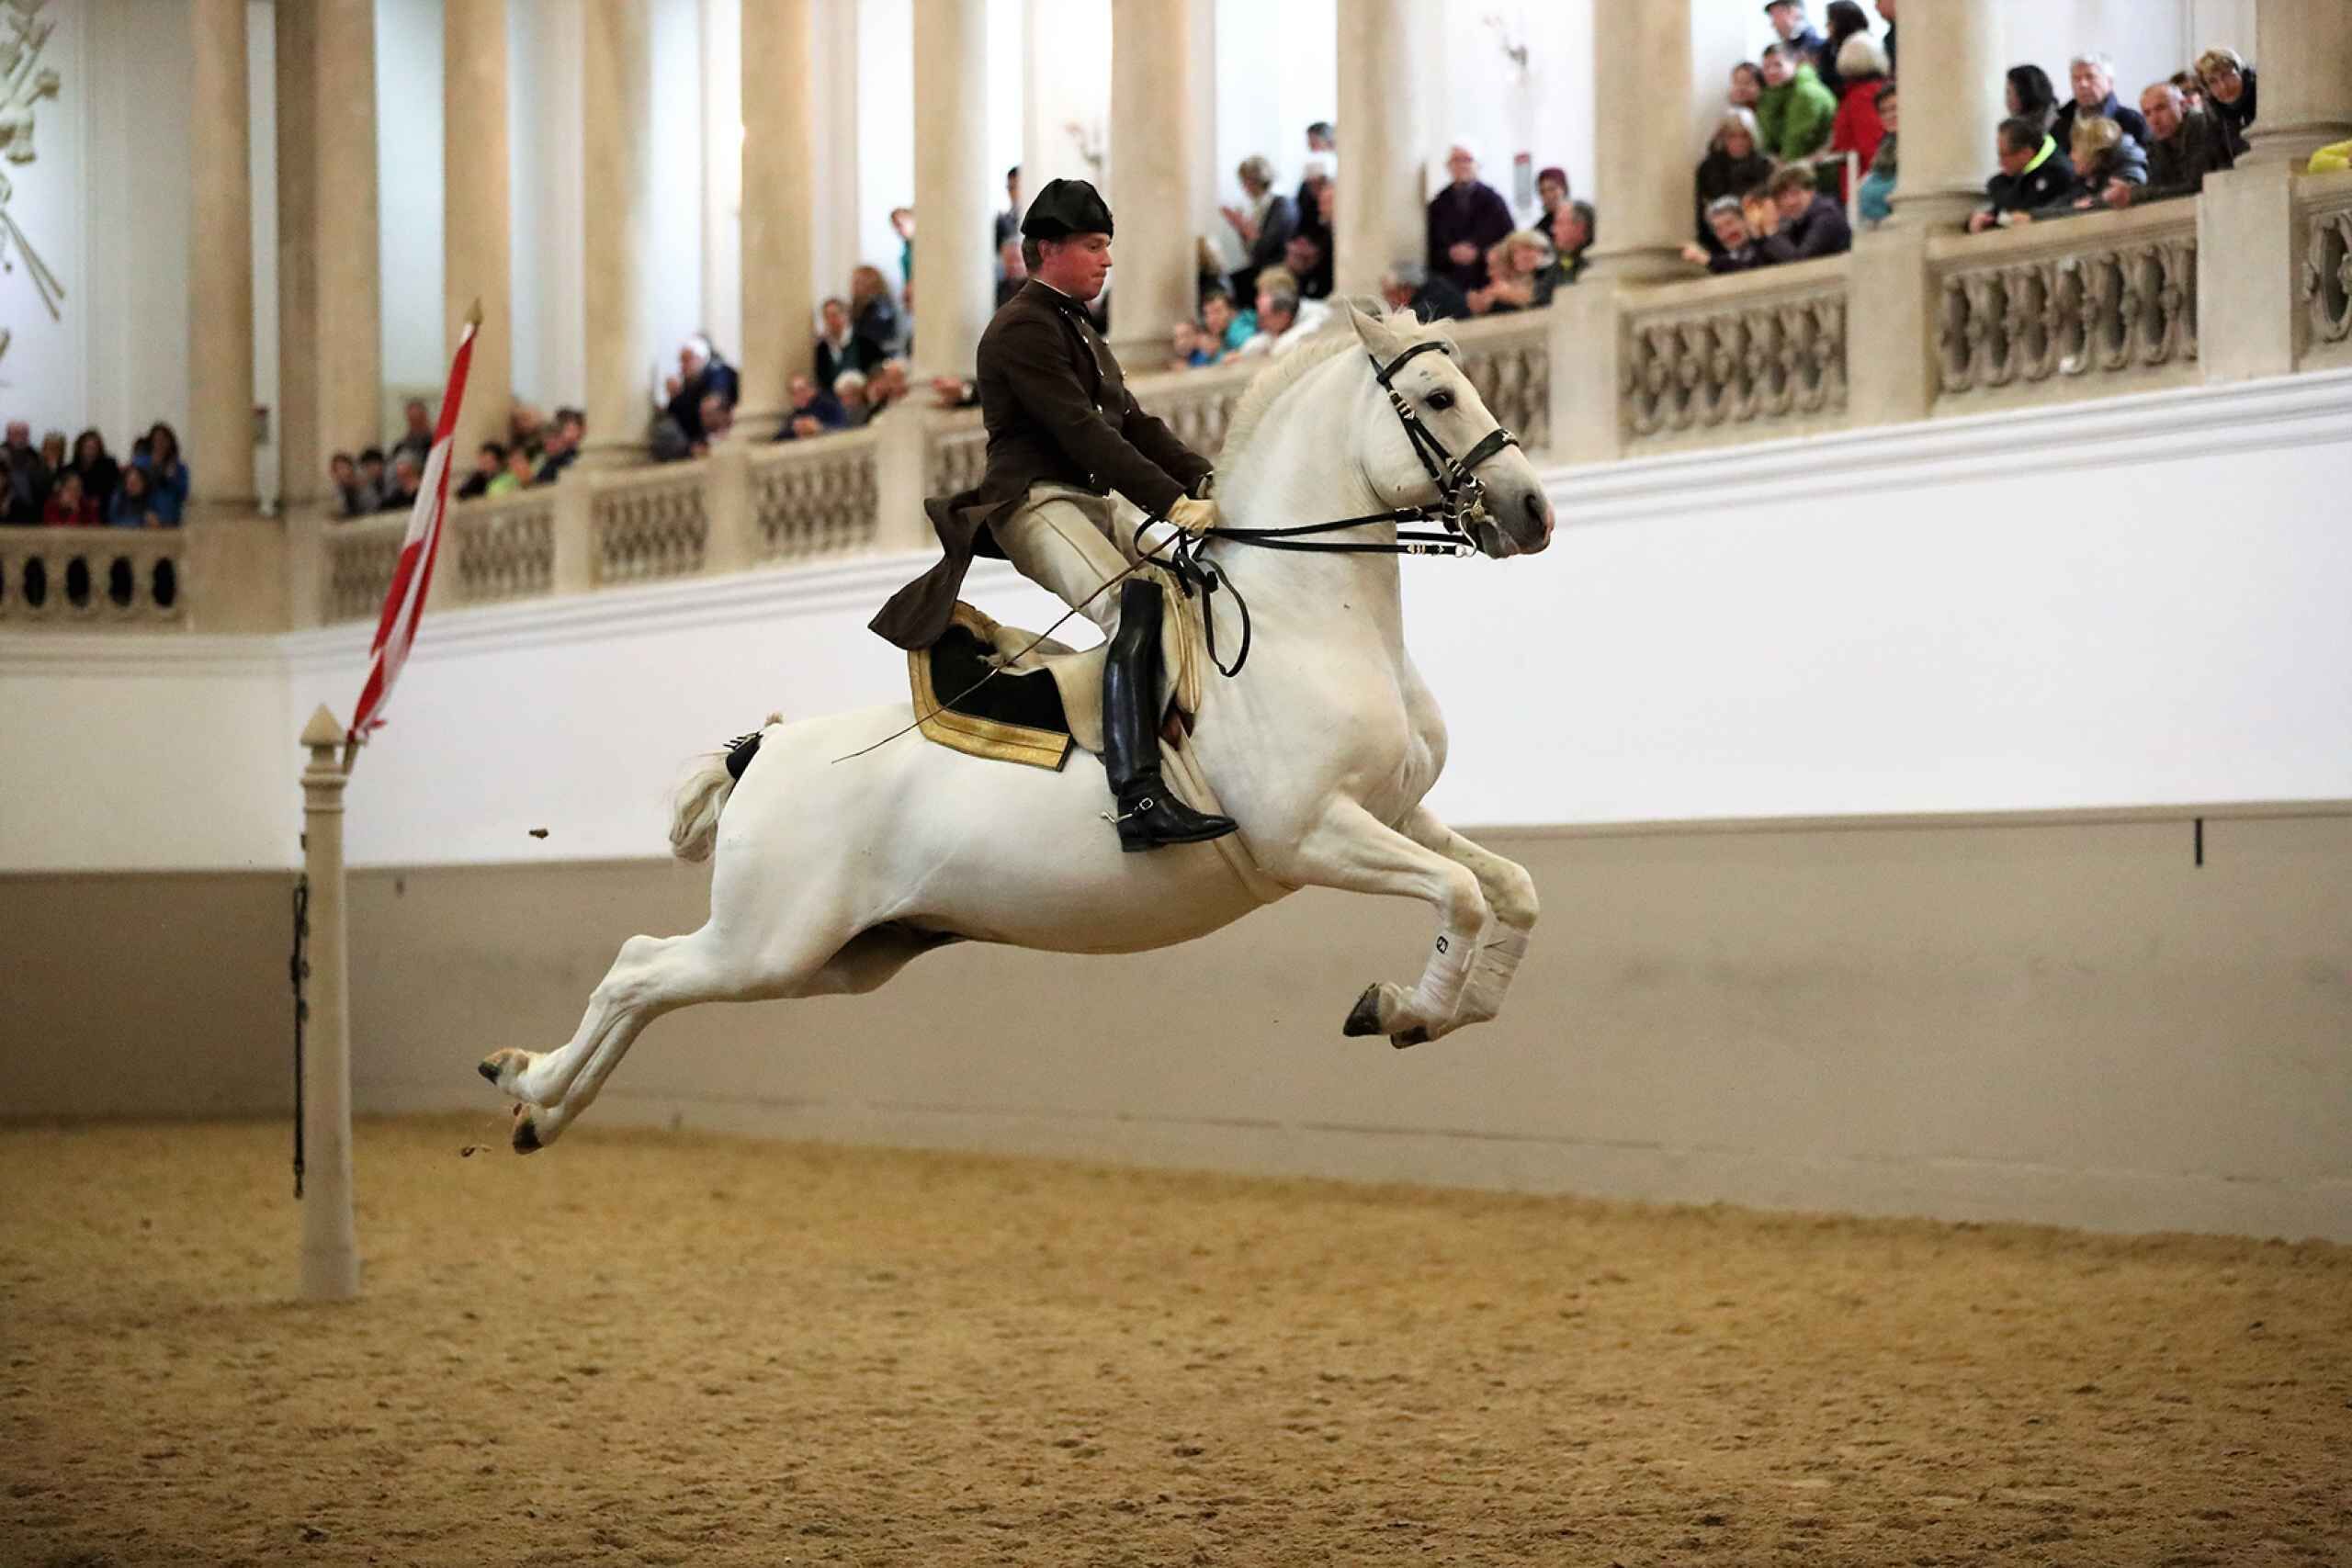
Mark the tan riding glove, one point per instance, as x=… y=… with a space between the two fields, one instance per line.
x=1195 y=517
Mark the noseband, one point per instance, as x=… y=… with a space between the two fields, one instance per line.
x=1461 y=500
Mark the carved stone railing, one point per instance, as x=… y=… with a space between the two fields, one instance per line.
x=504 y=548
x=815 y=497
x=1745 y=357
x=92 y=577
x=2096 y=305
x=357 y=559
x=649 y=523
x=2324 y=234
x=954 y=454
x=1509 y=361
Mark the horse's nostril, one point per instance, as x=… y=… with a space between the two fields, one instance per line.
x=1538 y=510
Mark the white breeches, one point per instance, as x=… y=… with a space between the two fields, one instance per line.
x=1055 y=539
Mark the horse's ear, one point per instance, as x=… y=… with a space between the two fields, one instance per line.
x=1371 y=331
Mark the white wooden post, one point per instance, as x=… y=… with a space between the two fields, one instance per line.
x=330 y=1244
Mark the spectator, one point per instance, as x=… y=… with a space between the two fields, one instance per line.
x=815 y=409
x=2035 y=175
x=560 y=449
x=27 y=475
x=839 y=348
x=1886 y=10
x=417 y=437
x=1733 y=163
x=2190 y=143
x=1747 y=85
x=1465 y=219
x=2094 y=80
x=352 y=498
x=1797 y=114
x=2104 y=155
x=902 y=223
x=1875 y=198
x=1011 y=271
x=67 y=505
x=1734 y=248
x=718 y=421
x=702 y=372
x=1308 y=259
x=2229 y=93
x=1322 y=158
x=1522 y=272
x=1796 y=34
x=526 y=428
x=1315 y=192
x=53 y=454
x=372 y=478
x=849 y=390
x=520 y=468
x=1551 y=195
x=1284 y=322
x=1264 y=222
x=169 y=480
x=874 y=318
x=1408 y=286
x=1862 y=64
x=490 y=461
x=887 y=387
x=99 y=471
x=407 y=474
x=2192 y=93
x=1807 y=222
x=134 y=501
x=1225 y=326
x=1847 y=21
x=2032 y=98
x=1575 y=231
x=1008 y=223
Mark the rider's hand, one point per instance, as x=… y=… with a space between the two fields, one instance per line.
x=1195 y=517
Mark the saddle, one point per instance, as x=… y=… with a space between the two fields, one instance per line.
x=997 y=692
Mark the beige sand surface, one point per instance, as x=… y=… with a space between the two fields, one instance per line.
x=664 y=1348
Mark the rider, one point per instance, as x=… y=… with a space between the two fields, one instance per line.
x=1063 y=433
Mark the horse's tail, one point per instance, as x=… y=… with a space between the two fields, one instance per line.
x=694 y=824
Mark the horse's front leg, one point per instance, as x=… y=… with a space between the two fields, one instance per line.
x=1510 y=900
x=1353 y=849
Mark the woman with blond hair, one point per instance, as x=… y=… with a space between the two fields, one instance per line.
x=1863 y=70
x=874 y=319
x=2229 y=87
x=2103 y=153
x=1522 y=272
x=1735 y=164
x=1264 y=226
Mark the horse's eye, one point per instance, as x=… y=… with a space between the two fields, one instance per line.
x=1441 y=400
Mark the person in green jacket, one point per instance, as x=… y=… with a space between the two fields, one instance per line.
x=1795 y=112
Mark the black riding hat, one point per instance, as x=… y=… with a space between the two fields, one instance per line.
x=1065 y=208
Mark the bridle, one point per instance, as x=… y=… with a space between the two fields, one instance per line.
x=1462 y=502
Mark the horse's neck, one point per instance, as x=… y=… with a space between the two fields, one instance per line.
x=1294 y=474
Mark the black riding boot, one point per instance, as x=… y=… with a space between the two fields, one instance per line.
x=1149 y=816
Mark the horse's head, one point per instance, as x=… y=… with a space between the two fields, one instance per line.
x=1459 y=455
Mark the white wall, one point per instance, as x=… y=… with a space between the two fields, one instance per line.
x=676 y=275
x=886 y=133
x=2139 y=604
x=44 y=367
x=722 y=162
x=409 y=211
x=549 y=186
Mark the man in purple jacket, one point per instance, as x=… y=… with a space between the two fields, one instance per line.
x=1466 y=219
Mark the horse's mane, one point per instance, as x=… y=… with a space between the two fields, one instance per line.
x=1286 y=372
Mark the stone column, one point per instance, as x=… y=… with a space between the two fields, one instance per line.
x=2303 y=49
x=617 y=92
x=218 y=440
x=1953 y=73
x=780 y=155
x=475 y=238
x=1152 y=176
x=1382 y=216
x=1642 y=78
x=953 y=205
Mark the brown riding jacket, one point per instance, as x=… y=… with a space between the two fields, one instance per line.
x=1057 y=410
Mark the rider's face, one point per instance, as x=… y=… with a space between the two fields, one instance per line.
x=1076 y=265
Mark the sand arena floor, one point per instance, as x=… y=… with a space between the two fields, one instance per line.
x=641 y=1348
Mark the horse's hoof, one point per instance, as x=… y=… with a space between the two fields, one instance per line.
x=1411 y=1037
x=527 y=1133
x=1364 y=1017
x=506 y=1070
x=487 y=1069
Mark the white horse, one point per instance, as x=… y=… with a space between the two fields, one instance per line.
x=831 y=876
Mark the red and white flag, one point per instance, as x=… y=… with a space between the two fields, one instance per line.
x=405 y=604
